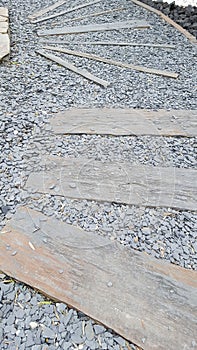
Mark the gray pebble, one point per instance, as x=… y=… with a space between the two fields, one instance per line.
x=36 y=347
x=120 y=341
x=66 y=345
x=89 y=332
x=48 y=333
x=99 y=329
x=68 y=317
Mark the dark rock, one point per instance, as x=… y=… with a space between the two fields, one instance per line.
x=185 y=16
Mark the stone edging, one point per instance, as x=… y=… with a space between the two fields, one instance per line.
x=4 y=33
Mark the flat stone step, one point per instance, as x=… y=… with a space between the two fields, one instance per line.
x=106 y=121
x=150 y=302
x=126 y=183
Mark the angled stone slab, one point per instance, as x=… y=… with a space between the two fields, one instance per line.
x=132 y=24
x=149 y=302
x=106 y=121
x=108 y=43
x=112 y=62
x=4 y=12
x=4 y=45
x=126 y=183
x=44 y=10
x=71 y=9
x=83 y=72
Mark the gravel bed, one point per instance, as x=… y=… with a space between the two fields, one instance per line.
x=30 y=321
x=32 y=88
x=158 y=151
x=163 y=233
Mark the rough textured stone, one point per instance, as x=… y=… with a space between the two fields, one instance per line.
x=89 y=331
x=48 y=333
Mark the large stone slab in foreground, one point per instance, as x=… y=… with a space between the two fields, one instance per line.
x=150 y=302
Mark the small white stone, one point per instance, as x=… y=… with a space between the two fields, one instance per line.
x=18 y=332
x=109 y=284
x=33 y=325
x=15 y=132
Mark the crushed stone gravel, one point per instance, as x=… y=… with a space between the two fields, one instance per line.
x=30 y=321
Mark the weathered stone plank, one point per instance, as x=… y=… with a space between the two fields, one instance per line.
x=71 y=9
x=83 y=72
x=110 y=121
x=132 y=24
x=116 y=182
x=44 y=10
x=112 y=62
x=150 y=302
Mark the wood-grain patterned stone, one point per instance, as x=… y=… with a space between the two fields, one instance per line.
x=150 y=302
x=117 y=182
x=106 y=121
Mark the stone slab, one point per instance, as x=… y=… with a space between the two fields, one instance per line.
x=118 y=182
x=3 y=27
x=148 y=301
x=3 y=19
x=4 y=12
x=117 y=122
x=4 y=45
